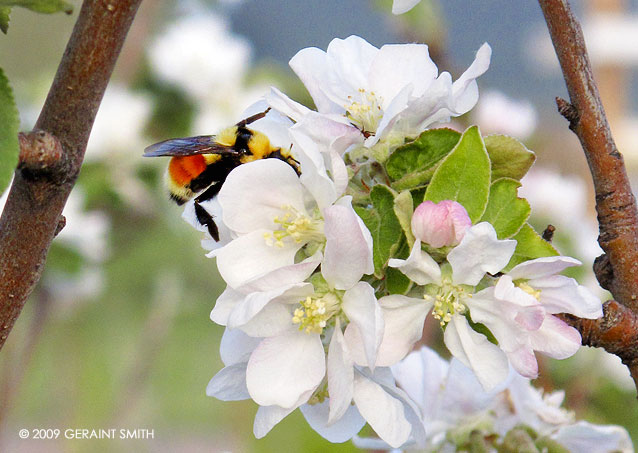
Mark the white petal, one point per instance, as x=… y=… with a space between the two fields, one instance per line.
x=311 y=66
x=362 y=309
x=283 y=368
x=560 y=294
x=419 y=267
x=225 y=304
x=347 y=255
x=267 y=417
x=236 y=346
x=403 y=317
x=249 y=257
x=542 y=267
x=254 y=194
x=349 y=424
x=351 y=60
x=340 y=376
x=584 y=437
x=283 y=276
x=274 y=319
x=282 y=103
x=475 y=351
x=384 y=413
x=556 y=339
x=403 y=6
x=229 y=384
x=465 y=89
x=479 y=252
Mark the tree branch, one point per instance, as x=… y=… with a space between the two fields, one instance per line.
x=615 y=203
x=51 y=155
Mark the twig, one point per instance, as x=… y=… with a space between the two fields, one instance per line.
x=51 y=156
x=615 y=203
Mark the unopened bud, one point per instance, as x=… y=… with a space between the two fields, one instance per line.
x=440 y=224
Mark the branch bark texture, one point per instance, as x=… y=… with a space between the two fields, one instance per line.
x=615 y=203
x=51 y=155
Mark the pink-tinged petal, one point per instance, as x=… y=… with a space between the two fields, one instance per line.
x=345 y=428
x=253 y=303
x=362 y=309
x=524 y=361
x=560 y=294
x=556 y=339
x=267 y=417
x=347 y=255
x=229 y=384
x=528 y=312
x=479 y=252
x=283 y=276
x=283 y=368
x=283 y=104
x=396 y=66
x=475 y=351
x=403 y=317
x=312 y=67
x=340 y=376
x=236 y=346
x=585 y=437
x=249 y=257
x=542 y=267
x=225 y=304
x=419 y=267
x=440 y=224
x=403 y=6
x=254 y=194
x=384 y=413
x=465 y=89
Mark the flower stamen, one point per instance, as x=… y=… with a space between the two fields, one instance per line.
x=365 y=113
x=314 y=313
x=296 y=225
x=448 y=301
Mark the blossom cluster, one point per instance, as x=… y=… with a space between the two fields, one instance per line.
x=332 y=273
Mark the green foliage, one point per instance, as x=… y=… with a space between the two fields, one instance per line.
x=5 y=11
x=403 y=209
x=9 y=123
x=509 y=157
x=40 y=6
x=505 y=211
x=529 y=245
x=413 y=164
x=396 y=281
x=464 y=175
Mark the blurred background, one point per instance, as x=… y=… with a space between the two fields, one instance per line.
x=117 y=333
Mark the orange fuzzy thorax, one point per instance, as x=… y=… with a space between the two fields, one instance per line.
x=183 y=169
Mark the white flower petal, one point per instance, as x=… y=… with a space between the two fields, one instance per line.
x=465 y=89
x=236 y=346
x=384 y=413
x=362 y=309
x=340 y=376
x=254 y=194
x=349 y=424
x=283 y=104
x=479 y=252
x=403 y=6
x=560 y=294
x=283 y=276
x=225 y=304
x=229 y=384
x=419 y=267
x=350 y=61
x=556 y=339
x=403 y=318
x=347 y=255
x=312 y=67
x=249 y=257
x=274 y=319
x=584 y=437
x=283 y=368
x=267 y=417
x=542 y=267
x=475 y=351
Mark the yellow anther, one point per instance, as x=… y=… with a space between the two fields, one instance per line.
x=529 y=290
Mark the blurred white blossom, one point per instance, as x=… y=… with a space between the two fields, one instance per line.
x=496 y=113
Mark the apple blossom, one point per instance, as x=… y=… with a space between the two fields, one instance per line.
x=440 y=224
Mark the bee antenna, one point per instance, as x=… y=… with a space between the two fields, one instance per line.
x=252 y=119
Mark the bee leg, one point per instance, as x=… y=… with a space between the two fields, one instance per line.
x=205 y=219
x=252 y=119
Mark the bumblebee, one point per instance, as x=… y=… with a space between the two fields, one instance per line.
x=202 y=163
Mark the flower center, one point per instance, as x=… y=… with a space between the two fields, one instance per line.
x=365 y=112
x=296 y=225
x=529 y=290
x=448 y=301
x=314 y=313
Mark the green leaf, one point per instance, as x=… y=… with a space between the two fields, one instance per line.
x=9 y=123
x=505 y=210
x=40 y=6
x=396 y=281
x=464 y=175
x=5 y=11
x=383 y=225
x=529 y=245
x=403 y=208
x=509 y=157
x=413 y=164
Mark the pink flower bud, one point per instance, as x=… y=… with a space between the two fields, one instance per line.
x=440 y=224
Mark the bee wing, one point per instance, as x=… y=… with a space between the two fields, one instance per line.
x=202 y=144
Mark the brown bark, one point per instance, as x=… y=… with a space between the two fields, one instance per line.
x=51 y=155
